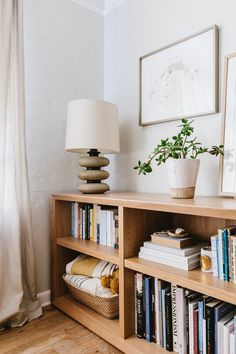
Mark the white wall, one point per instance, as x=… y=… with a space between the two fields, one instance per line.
x=63 y=61
x=139 y=27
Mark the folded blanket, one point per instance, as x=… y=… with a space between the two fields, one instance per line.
x=90 y=266
x=92 y=285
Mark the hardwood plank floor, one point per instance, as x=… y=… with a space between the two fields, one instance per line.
x=53 y=333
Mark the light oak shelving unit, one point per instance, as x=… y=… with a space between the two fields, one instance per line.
x=139 y=215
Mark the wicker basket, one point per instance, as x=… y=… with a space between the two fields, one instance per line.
x=106 y=306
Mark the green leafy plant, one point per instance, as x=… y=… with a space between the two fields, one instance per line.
x=180 y=146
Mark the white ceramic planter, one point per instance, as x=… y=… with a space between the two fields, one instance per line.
x=182 y=177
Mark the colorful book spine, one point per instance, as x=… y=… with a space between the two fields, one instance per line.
x=148 y=308
x=163 y=291
x=157 y=312
x=200 y=326
x=139 y=286
x=221 y=253
x=226 y=257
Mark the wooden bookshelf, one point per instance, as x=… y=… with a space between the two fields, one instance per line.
x=139 y=216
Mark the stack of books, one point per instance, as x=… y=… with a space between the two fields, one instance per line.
x=180 y=253
x=182 y=320
x=95 y=223
x=223 y=247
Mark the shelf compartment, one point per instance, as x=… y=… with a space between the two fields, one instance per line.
x=195 y=279
x=107 y=253
x=107 y=329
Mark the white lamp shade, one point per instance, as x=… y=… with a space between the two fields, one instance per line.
x=92 y=124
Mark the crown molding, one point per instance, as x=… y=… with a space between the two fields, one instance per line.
x=102 y=7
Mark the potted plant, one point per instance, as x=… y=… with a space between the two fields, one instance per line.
x=181 y=155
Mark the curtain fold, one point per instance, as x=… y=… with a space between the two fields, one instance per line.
x=18 y=302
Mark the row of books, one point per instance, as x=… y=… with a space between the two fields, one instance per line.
x=182 y=320
x=170 y=251
x=95 y=223
x=223 y=246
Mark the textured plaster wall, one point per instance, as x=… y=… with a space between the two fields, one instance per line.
x=63 y=61
x=139 y=27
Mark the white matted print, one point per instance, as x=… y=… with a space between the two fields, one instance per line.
x=180 y=80
x=228 y=168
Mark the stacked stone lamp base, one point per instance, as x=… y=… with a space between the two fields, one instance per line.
x=93 y=174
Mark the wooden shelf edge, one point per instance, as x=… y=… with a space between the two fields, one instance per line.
x=104 y=328
x=107 y=253
x=196 y=280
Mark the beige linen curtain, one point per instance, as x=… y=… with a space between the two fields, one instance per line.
x=18 y=302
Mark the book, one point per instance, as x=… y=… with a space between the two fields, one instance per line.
x=214 y=249
x=140 y=321
x=225 y=255
x=220 y=253
x=160 y=311
x=228 y=328
x=169 y=262
x=210 y=325
x=165 y=288
x=206 y=299
x=187 y=251
x=200 y=326
x=174 y=318
x=168 y=241
x=157 y=313
x=174 y=258
x=220 y=311
x=193 y=330
x=232 y=345
x=234 y=258
x=168 y=311
x=181 y=320
x=148 y=324
x=221 y=324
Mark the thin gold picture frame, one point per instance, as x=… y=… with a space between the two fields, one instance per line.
x=215 y=87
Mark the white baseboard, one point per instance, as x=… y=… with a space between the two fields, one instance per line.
x=44 y=298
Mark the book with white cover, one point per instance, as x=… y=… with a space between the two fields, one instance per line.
x=221 y=324
x=192 y=306
x=169 y=261
x=175 y=258
x=232 y=343
x=228 y=328
x=157 y=312
x=174 y=318
x=175 y=251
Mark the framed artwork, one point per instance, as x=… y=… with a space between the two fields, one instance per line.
x=228 y=161
x=181 y=79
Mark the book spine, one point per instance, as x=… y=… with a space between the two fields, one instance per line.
x=214 y=256
x=195 y=330
x=139 y=305
x=83 y=223
x=169 y=333
x=226 y=258
x=234 y=258
x=200 y=327
x=157 y=309
x=92 y=223
x=160 y=311
x=180 y=319
x=72 y=218
x=76 y=220
x=210 y=330
x=163 y=317
x=174 y=318
x=153 y=326
x=230 y=256
x=220 y=252
x=191 y=330
x=148 y=308
x=116 y=231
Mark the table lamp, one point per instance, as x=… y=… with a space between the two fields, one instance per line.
x=93 y=128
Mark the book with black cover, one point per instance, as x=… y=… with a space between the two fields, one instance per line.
x=169 y=333
x=140 y=320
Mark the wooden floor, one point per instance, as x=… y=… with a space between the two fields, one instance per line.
x=53 y=333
